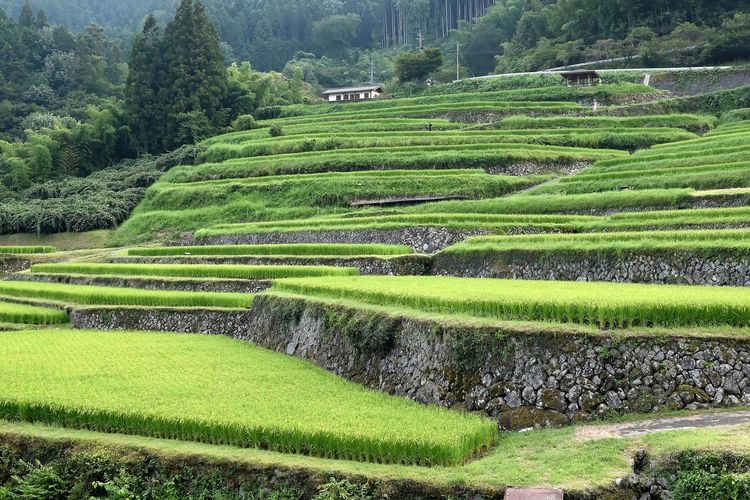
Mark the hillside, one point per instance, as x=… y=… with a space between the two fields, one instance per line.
x=369 y=300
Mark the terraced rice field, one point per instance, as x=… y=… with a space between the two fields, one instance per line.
x=304 y=249
x=100 y=295
x=703 y=241
x=21 y=250
x=193 y=270
x=608 y=305
x=30 y=315
x=221 y=391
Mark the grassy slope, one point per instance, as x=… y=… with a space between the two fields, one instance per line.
x=219 y=390
x=546 y=458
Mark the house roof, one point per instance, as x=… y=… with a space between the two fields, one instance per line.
x=344 y=90
x=583 y=73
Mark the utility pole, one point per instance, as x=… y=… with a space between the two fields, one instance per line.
x=372 y=70
x=458 y=70
x=420 y=41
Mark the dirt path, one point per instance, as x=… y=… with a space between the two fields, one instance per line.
x=633 y=429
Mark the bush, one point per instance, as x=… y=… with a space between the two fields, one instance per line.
x=244 y=122
x=268 y=112
x=276 y=131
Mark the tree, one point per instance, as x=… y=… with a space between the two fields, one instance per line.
x=416 y=66
x=334 y=34
x=142 y=88
x=26 y=19
x=196 y=79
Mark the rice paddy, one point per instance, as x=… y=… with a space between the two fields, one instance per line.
x=193 y=270
x=30 y=315
x=22 y=250
x=608 y=305
x=221 y=391
x=301 y=249
x=100 y=295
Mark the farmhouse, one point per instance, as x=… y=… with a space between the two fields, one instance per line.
x=354 y=93
x=581 y=78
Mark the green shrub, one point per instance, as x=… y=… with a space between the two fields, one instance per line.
x=244 y=122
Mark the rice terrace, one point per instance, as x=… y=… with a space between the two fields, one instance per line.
x=219 y=279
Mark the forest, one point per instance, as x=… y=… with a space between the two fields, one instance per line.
x=86 y=85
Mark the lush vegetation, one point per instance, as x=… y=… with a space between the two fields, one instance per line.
x=222 y=391
x=737 y=241
x=193 y=271
x=26 y=249
x=30 y=315
x=99 y=295
x=172 y=208
x=614 y=305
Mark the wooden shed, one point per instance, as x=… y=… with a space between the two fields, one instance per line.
x=581 y=78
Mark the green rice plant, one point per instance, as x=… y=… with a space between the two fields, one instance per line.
x=496 y=222
x=30 y=315
x=194 y=270
x=26 y=249
x=608 y=305
x=735 y=240
x=302 y=249
x=562 y=203
x=102 y=295
x=225 y=392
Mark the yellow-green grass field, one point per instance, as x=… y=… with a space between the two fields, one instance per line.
x=222 y=391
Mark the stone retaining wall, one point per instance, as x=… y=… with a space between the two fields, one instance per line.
x=420 y=239
x=674 y=267
x=394 y=266
x=10 y=264
x=162 y=319
x=178 y=284
x=522 y=379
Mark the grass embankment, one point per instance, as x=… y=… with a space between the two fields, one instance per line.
x=23 y=250
x=603 y=304
x=428 y=111
x=103 y=295
x=173 y=208
x=218 y=390
x=194 y=271
x=540 y=94
x=302 y=249
x=691 y=123
x=30 y=315
x=719 y=160
x=61 y=241
x=611 y=138
x=467 y=156
x=543 y=458
x=736 y=241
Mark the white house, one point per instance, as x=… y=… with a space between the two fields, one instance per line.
x=349 y=94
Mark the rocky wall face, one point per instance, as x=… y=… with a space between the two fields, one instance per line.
x=193 y=320
x=633 y=267
x=522 y=380
x=420 y=239
x=392 y=266
x=12 y=264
